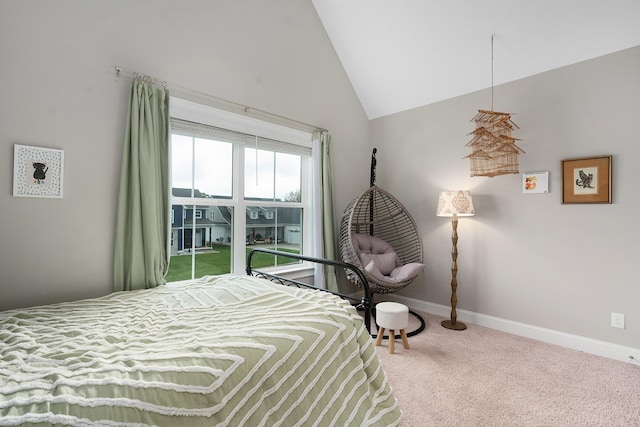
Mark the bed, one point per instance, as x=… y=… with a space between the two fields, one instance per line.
x=217 y=351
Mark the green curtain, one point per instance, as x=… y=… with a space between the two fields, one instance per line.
x=142 y=223
x=328 y=228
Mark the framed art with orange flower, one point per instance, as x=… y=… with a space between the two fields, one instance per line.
x=535 y=182
x=586 y=180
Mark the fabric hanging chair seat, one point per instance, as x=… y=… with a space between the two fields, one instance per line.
x=378 y=236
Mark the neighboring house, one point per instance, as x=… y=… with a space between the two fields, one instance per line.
x=213 y=224
x=274 y=225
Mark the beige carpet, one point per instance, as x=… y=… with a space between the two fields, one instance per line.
x=482 y=377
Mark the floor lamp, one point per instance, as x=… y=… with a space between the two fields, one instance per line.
x=454 y=204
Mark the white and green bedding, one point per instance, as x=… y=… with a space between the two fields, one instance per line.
x=220 y=351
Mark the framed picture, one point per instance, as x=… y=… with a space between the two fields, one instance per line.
x=37 y=171
x=586 y=180
x=535 y=182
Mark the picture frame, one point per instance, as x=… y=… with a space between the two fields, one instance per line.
x=37 y=171
x=586 y=180
x=535 y=182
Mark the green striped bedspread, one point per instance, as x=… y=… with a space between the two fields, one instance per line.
x=219 y=351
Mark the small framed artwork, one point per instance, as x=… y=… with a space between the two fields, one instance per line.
x=37 y=171
x=586 y=180
x=535 y=182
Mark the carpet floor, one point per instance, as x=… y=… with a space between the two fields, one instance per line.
x=483 y=377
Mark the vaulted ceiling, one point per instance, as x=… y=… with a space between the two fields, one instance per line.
x=402 y=54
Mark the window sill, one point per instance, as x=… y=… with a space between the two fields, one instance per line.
x=301 y=271
x=298 y=271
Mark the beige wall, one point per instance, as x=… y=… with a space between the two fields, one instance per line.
x=528 y=258
x=59 y=90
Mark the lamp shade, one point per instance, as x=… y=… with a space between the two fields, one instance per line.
x=455 y=202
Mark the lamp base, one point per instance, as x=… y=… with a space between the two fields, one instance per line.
x=457 y=326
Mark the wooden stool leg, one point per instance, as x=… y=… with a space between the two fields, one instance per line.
x=392 y=338
x=380 y=335
x=403 y=334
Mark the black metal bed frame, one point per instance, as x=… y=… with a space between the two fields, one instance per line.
x=364 y=303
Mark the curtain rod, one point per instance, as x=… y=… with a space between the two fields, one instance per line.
x=243 y=108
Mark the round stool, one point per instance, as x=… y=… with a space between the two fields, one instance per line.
x=394 y=317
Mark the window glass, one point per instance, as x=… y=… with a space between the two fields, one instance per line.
x=181 y=165
x=201 y=246
x=272 y=176
x=276 y=228
x=213 y=168
x=268 y=205
x=288 y=177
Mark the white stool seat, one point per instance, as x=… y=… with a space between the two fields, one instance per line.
x=394 y=317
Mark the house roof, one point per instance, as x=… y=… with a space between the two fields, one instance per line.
x=405 y=54
x=186 y=192
x=285 y=215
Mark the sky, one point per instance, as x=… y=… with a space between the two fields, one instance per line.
x=278 y=174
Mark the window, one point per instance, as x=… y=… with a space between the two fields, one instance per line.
x=240 y=183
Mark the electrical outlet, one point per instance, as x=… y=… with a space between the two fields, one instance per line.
x=617 y=320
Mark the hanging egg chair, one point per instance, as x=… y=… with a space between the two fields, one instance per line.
x=377 y=232
x=378 y=236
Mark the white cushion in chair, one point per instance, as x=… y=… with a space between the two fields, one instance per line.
x=399 y=274
x=384 y=262
x=407 y=271
x=381 y=261
x=365 y=244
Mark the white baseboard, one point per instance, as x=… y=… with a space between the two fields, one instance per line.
x=576 y=342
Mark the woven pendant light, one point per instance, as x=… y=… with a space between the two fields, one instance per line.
x=493 y=148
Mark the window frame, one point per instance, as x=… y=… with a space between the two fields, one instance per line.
x=208 y=115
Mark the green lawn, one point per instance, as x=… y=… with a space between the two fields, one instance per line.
x=218 y=262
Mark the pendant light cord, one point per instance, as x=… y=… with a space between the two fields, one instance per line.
x=491 y=72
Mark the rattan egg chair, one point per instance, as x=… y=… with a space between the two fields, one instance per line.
x=376 y=231
x=378 y=214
